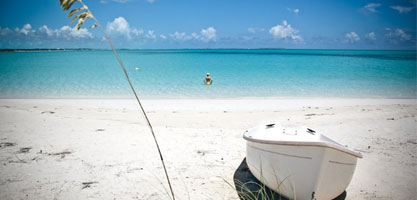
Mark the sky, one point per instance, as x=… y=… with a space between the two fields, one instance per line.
x=167 y=24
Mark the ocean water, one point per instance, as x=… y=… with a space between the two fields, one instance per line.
x=236 y=73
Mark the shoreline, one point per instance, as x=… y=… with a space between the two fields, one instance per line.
x=107 y=142
x=260 y=48
x=220 y=104
x=130 y=97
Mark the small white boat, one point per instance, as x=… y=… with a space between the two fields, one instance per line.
x=299 y=163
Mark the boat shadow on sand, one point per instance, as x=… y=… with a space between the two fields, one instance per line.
x=250 y=188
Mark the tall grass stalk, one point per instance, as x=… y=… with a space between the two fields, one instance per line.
x=246 y=191
x=66 y=5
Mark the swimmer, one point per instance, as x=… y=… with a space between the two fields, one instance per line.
x=208 y=80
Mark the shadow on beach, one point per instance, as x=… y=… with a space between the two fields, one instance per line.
x=250 y=188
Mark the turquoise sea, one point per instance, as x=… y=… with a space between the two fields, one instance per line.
x=236 y=73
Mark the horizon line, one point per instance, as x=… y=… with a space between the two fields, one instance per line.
x=64 y=49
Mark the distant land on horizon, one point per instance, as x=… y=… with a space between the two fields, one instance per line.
x=147 y=49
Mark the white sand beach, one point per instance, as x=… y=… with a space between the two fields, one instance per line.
x=103 y=149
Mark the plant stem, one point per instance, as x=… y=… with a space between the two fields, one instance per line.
x=137 y=99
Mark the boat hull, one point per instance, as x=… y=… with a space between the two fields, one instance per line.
x=301 y=171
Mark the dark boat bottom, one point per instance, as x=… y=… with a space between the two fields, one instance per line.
x=249 y=188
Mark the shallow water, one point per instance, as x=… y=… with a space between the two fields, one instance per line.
x=236 y=73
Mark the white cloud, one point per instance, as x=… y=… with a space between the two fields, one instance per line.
x=397 y=33
x=255 y=30
x=150 y=34
x=402 y=9
x=180 y=36
x=208 y=34
x=371 y=7
x=26 y=29
x=68 y=32
x=195 y=36
x=46 y=30
x=352 y=37
x=120 y=26
x=150 y=1
x=295 y=11
x=285 y=31
x=163 y=37
x=43 y=36
x=136 y=32
x=65 y=32
x=5 y=31
x=371 y=36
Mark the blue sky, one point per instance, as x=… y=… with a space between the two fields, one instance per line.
x=318 y=24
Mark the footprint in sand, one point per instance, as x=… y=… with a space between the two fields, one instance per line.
x=47 y=112
x=24 y=150
x=7 y=144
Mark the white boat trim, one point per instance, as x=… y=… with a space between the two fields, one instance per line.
x=284 y=154
x=340 y=163
x=305 y=143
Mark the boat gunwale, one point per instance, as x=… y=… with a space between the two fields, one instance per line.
x=305 y=143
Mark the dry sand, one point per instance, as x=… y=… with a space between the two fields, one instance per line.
x=102 y=149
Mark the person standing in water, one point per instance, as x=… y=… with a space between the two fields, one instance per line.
x=208 y=80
